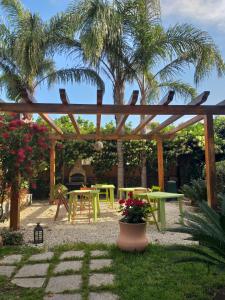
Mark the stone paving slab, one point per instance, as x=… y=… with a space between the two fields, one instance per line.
x=11 y=259
x=60 y=284
x=64 y=297
x=68 y=266
x=103 y=296
x=29 y=282
x=42 y=256
x=33 y=270
x=96 y=253
x=71 y=254
x=101 y=279
x=98 y=264
x=7 y=270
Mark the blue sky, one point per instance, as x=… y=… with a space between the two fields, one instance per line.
x=205 y=14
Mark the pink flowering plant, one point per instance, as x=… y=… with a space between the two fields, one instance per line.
x=134 y=210
x=22 y=148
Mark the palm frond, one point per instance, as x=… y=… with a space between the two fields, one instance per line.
x=75 y=75
x=15 y=11
x=182 y=89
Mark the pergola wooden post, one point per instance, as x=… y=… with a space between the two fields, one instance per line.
x=160 y=163
x=52 y=171
x=210 y=160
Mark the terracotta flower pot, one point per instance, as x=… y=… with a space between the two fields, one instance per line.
x=132 y=237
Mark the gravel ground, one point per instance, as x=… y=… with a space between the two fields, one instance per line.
x=104 y=231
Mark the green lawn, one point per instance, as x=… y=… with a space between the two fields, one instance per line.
x=151 y=275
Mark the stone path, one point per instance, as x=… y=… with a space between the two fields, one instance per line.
x=65 y=281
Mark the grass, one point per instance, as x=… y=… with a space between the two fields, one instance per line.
x=151 y=275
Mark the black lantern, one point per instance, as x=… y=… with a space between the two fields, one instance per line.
x=38 y=234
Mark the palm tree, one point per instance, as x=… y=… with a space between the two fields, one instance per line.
x=126 y=42
x=25 y=60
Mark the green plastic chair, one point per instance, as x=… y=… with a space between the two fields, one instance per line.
x=104 y=192
x=155 y=188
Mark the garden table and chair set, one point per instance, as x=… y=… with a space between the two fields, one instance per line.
x=91 y=197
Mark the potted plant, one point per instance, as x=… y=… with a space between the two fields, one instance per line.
x=132 y=236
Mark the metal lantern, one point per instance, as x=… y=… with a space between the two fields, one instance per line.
x=98 y=146
x=38 y=234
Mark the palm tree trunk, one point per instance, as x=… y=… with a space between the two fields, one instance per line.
x=118 y=96
x=143 y=152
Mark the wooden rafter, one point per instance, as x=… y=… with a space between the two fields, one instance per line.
x=188 y=123
x=51 y=123
x=122 y=121
x=99 y=103
x=196 y=102
x=28 y=98
x=65 y=100
x=165 y=101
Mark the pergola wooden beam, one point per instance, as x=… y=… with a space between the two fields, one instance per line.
x=160 y=164
x=106 y=137
x=28 y=98
x=50 y=122
x=133 y=100
x=165 y=101
x=196 y=102
x=90 y=109
x=65 y=100
x=99 y=103
x=210 y=161
x=188 y=123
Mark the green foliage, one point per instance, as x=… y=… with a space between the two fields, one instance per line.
x=220 y=176
x=11 y=238
x=208 y=228
x=195 y=191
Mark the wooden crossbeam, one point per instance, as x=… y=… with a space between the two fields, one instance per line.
x=99 y=103
x=65 y=100
x=90 y=109
x=122 y=121
x=106 y=137
x=196 y=102
x=165 y=101
x=188 y=123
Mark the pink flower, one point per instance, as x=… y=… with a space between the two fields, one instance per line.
x=27 y=138
x=5 y=135
x=12 y=128
x=121 y=201
x=29 y=149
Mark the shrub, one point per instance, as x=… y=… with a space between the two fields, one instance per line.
x=196 y=191
x=220 y=176
x=11 y=238
x=208 y=228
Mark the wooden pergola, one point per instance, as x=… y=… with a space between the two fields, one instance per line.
x=175 y=112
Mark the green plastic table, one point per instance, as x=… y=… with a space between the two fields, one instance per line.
x=127 y=190
x=161 y=197
x=110 y=188
x=73 y=198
